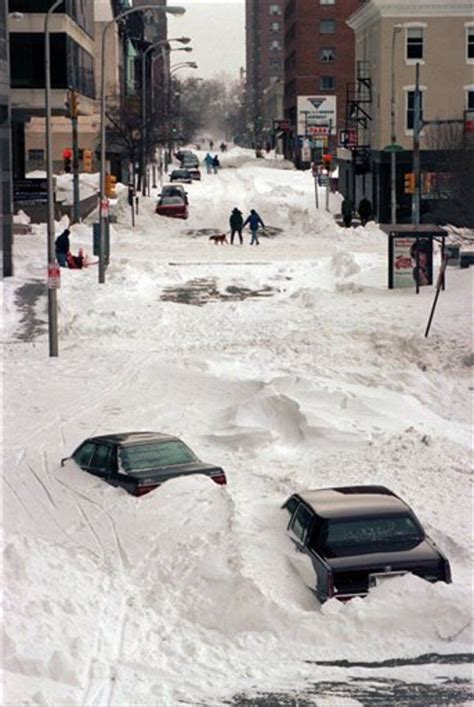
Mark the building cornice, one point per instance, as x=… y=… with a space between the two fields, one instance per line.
x=381 y=9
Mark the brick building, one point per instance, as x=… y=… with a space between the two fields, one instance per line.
x=264 y=62
x=319 y=63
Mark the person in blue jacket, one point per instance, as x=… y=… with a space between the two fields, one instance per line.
x=208 y=160
x=254 y=220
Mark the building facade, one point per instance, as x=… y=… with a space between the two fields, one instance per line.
x=264 y=63
x=319 y=65
x=392 y=37
x=72 y=65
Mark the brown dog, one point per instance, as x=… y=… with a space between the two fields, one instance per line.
x=219 y=239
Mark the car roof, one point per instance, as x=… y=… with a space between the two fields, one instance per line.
x=353 y=501
x=172 y=185
x=125 y=438
x=176 y=171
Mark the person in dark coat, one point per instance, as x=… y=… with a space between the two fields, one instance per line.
x=236 y=222
x=346 y=210
x=254 y=220
x=215 y=163
x=365 y=210
x=62 y=248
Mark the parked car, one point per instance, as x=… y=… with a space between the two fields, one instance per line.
x=141 y=461
x=193 y=170
x=350 y=539
x=181 y=175
x=189 y=160
x=174 y=189
x=174 y=206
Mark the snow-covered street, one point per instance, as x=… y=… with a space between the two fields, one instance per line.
x=293 y=367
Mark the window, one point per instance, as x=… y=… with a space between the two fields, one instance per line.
x=410 y=120
x=327 y=55
x=274 y=10
x=470 y=42
x=149 y=456
x=275 y=26
x=328 y=83
x=470 y=100
x=398 y=531
x=327 y=26
x=36 y=155
x=101 y=458
x=275 y=45
x=414 y=42
x=327 y=2
x=84 y=453
x=301 y=522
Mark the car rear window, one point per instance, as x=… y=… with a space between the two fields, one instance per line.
x=150 y=456
x=366 y=532
x=172 y=200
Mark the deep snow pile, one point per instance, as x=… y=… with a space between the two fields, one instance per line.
x=190 y=593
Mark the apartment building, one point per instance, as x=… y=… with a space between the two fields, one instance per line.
x=264 y=64
x=319 y=63
x=72 y=65
x=392 y=37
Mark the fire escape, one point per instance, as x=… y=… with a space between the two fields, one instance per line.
x=358 y=117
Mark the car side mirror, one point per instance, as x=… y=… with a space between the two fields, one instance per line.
x=64 y=460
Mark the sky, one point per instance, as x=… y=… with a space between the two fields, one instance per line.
x=217 y=31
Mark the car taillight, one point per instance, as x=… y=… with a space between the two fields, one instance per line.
x=330 y=591
x=142 y=490
x=219 y=479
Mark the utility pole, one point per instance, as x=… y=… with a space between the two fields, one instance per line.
x=73 y=105
x=417 y=125
x=393 y=157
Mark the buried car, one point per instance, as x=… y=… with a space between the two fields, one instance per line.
x=350 y=539
x=181 y=175
x=141 y=461
x=174 y=206
x=174 y=189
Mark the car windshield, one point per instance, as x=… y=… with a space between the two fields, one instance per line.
x=181 y=173
x=367 y=533
x=150 y=456
x=172 y=200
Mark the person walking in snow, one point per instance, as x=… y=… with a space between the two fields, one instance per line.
x=346 y=210
x=254 y=220
x=236 y=222
x=365 y=210
x=215 y=164
x=62 y=248
x=208 y=162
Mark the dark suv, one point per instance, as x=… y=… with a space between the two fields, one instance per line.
x=351 y=538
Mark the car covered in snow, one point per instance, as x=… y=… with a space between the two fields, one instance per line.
x=174 y=189
x=181 y=175
x=350 y=539
x=174 y=206
x=193 y=170
x=141 y=461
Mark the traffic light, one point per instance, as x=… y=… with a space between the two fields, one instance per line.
x=327 y=159
x=67 y=159
x=110 y=181
x=87 y=161
x=409 y=183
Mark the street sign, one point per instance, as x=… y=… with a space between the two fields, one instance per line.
x=348 y=138
x=54 y=276
x=394 y=147
x=30 y=191
x=104 y=207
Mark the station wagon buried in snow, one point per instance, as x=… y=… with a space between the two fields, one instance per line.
x=350 y=539
x=141 y=461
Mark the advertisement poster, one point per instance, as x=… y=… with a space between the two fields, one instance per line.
x=402 y=263
x=406 y=269
x=316 y=111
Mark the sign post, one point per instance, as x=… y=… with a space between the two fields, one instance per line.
x=54 y=276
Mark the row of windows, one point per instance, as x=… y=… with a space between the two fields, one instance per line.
x=415 y=43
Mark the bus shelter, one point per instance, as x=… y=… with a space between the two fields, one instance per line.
x=410 y=254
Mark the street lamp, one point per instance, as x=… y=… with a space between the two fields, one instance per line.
x=171 y=10
x=52 y=292
x=393 y=155
x=173 y=69
x=182 y=40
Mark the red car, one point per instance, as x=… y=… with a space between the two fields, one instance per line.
x=174 y=206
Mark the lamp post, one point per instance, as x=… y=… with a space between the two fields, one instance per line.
x=393 y=155
x=182 y=40
x=172 y=10
x=51 y=255
x=173 y=69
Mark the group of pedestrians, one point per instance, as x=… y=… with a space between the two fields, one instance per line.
x=212 y=163
x=364 y=211
x=237 y=224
